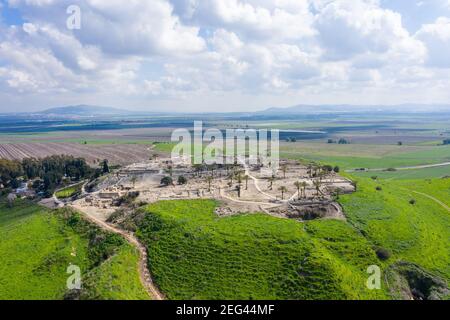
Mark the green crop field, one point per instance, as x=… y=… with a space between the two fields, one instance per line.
x=196 y=255
x=368 y=156
x=37 y=246
x=69 y=191
x=410 y=174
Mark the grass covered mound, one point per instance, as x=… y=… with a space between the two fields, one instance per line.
x=196 y=255
x=37 y=246
x=412 y=227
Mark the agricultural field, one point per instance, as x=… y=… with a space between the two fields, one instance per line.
x=353 y=156
x=117 y=154
x=37 y=246
x=69 y=191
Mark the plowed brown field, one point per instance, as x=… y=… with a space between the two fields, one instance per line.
x=121 y=154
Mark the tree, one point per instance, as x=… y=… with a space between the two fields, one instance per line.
x=337 y=193
x=169 y=171
x=105 y=166
x=133 y=180
x=182 y=180
x=310 y=170
x=446 y=142
x=271 y=181
x=317 y=184
x=283 y=190
x=336 y=169
x=400 y=143
x=304 y=186
x=209 y=179
x=166 y=181
x=246 y=181
x=284 y=170
x=298 y=185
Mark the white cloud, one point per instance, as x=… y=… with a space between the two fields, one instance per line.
x=171 y=51
x=436 y=37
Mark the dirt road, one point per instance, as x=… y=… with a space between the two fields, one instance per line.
x=437 y=165
x=434 y=199
x=144 y=273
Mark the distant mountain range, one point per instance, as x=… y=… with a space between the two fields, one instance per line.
x=83 y=111
x=89 y=111
x=320 y=109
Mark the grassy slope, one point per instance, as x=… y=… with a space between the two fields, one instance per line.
x=195 y=255
x=69 y=191
x=36 y=250
x=417 y=233
x=116 y=278
x=37 y=246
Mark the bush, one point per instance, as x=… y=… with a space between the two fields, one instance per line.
x=182 y=180
x=383 y=254
x=379 y=188
x=166 y=181
x=412 y=201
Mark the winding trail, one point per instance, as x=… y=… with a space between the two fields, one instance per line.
x=144 y=273
x=434 y=199
x=436 y=165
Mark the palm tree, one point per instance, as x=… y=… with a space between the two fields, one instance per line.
x=317 y=183
x=338 y=193
x=231 y=177
x=133 y=180
x=169 y=170
x=284 y=170
x=304 y=186
x=271 y=181
x=310 y=168
x=246 y=181
x=298 y=185
x=209 y=179
x=283 y=190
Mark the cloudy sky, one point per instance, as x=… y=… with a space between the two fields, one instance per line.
x=217 y=55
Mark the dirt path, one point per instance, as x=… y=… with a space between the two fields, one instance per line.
x=444 y=164
x=434 y=199
x=144 y=273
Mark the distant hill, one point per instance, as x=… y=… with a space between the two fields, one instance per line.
x=84 y=111
x=343 y=108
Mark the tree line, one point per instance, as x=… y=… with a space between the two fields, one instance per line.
x=47 y=173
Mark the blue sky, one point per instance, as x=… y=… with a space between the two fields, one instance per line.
x=216 y=55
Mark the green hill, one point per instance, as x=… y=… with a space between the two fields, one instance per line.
x=37 y=246
x=196 y=255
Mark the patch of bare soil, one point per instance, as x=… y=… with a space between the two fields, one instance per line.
x=409 y=281
x=309 y=211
